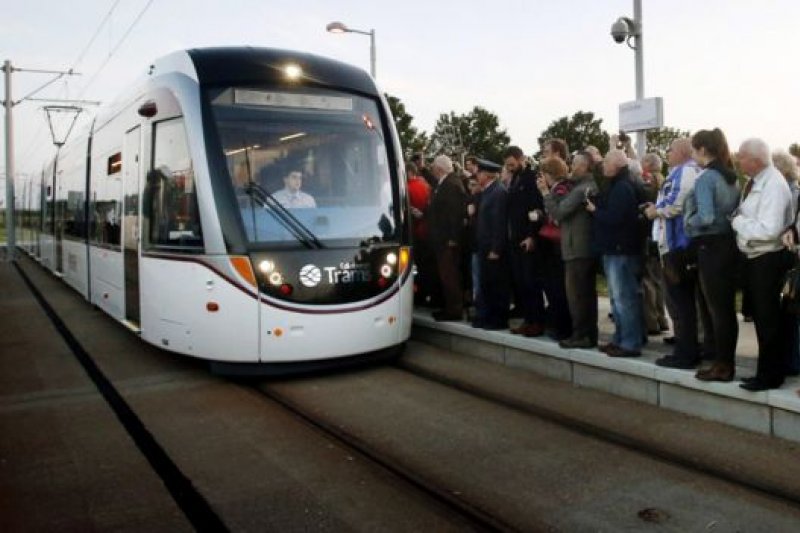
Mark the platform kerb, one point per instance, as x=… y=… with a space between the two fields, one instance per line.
x=775 y=413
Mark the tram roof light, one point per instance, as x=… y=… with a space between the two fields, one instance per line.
x=292 y=71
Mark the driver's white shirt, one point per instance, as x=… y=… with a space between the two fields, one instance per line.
x=291 y=200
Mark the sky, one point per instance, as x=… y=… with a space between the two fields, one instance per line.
x=716 y=63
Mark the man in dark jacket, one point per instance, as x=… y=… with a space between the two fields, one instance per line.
x=491 y=247
x=525 y=217
x=445 y=233
x=617 y=239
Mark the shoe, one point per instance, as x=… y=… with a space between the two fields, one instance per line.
x=758 y=384
x=584 y=342
x=663 y=328
x=669 y=340
x=494 y=327
x=654 y=332
x=749 y=379
x=670 y=361
x=747 y=318
x=606 y=347
x=533 y=330
x=616 y=351
x=716 y=372
x=441 y=316
x=529 y=330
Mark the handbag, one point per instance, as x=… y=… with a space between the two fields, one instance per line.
x=790 y=293
x=550 y=231
x=680 y=266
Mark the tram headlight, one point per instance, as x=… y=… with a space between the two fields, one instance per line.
x=386 y=271
x=391 y=258
x=267 y=267
x=275 y=278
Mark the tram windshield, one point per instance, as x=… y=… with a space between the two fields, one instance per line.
x=310 y=159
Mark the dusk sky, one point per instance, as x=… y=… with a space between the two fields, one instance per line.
x=726 y=63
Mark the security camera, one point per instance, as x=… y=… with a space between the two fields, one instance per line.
x=624 y=28
x=620 y=30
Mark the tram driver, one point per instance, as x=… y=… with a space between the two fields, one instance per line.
x=291 y=196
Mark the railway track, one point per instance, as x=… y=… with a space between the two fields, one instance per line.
x=301 y=398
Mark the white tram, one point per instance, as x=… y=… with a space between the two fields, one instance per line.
x=241 y=205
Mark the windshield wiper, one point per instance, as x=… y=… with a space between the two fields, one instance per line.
x=287 y=219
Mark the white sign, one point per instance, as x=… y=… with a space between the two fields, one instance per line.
x=644 y=114
x=303 y=101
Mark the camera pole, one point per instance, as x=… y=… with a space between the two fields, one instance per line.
x=638 y=54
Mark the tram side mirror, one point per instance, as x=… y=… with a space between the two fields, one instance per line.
x=148 y=109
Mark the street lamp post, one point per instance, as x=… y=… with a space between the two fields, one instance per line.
x=340 y=27
x=625 y=30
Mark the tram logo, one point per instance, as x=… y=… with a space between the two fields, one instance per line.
x=310 y=275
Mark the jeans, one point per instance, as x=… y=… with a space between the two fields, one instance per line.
x=622 y=273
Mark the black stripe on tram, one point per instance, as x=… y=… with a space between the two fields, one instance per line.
x=196 y=509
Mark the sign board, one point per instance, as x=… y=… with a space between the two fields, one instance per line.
x=644 y=114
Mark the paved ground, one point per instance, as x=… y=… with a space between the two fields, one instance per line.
x=66 y=462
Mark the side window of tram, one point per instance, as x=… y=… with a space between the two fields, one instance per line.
x=170 y=199
x=104 y=205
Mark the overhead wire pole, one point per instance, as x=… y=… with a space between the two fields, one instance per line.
x=9 y=103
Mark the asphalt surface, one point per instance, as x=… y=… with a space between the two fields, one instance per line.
x=67 y=463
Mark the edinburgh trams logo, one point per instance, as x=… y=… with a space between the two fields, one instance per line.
x=310 y=275
x=346 y=273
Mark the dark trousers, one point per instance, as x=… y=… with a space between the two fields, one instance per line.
x=448 y=260
x=428 y=288
x=527 y=283
x=716 y=267
x=581 y=286
x=558 y=316
x=494 y=294
x=683 y=296
x=655 y=316
x=773 y=326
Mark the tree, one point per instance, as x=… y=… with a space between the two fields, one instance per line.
x=475 y=133
x=579 y=131
x=411 y=140
x=659 y=141
x=794 y=149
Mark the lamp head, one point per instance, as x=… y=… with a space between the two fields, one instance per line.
x=336 y=27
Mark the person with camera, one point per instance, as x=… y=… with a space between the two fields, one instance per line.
x=580 y=269
x=617 y=238
x=764 y=214
x=679 y=266
x=707 y=210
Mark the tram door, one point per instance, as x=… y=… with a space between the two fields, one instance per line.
x=130 y=222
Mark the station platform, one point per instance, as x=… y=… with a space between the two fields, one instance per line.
x=775 y=412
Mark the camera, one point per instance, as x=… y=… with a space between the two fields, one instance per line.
x=621 y=30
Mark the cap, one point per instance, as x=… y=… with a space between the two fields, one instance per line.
x=489 y=166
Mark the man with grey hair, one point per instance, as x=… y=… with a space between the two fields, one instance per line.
x=673 y=245
x=617 y=238
x=762 y=216
x=445 y=231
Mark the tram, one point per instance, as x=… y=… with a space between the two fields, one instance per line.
x=246 y=206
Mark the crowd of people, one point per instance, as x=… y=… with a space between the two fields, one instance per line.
x=678 y=239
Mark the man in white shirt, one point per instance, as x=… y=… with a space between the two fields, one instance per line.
x=291 y=196
x=759 y=222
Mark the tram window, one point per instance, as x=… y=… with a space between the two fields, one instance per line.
x=114 y=163
x=105 y=207
x=172 y=218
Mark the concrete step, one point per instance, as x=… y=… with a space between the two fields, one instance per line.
x=775 y=412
